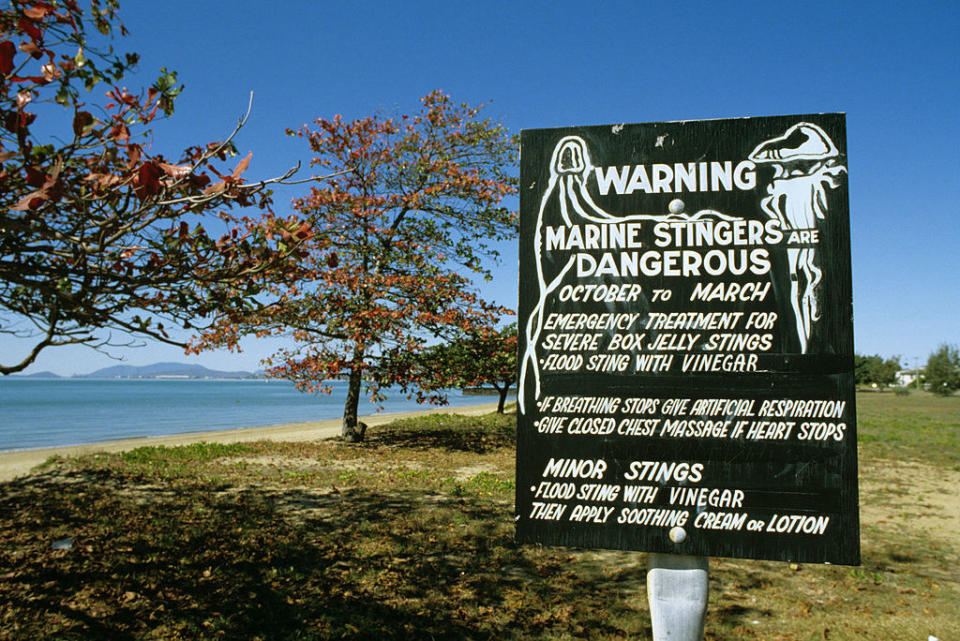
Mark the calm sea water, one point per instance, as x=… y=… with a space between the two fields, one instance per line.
x=47 y=413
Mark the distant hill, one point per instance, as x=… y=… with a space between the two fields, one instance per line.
x=164 y=370
x=39 y=375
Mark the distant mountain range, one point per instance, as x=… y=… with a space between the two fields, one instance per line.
x=156 y=370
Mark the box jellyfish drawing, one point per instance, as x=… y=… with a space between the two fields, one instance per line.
x=805 y=165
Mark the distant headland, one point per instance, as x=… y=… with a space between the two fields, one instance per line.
x=156 y=371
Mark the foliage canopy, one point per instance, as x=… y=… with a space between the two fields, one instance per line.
x=942 y=373
x=99 y=234
x=483 y=358
x=875 y=369
x=413 y=208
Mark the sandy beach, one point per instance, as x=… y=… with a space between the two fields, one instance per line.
x=19 y=463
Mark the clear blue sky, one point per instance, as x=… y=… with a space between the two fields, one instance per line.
x=894 y=68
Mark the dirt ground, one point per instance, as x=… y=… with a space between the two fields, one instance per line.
x=913 y=496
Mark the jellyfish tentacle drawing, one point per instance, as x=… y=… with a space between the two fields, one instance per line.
x=534 y=326
x=570 y=169
x=805 y=165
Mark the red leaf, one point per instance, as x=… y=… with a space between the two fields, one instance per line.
x=30 y=29
x=7 y=52
x=37 y=13
x=82 y=123
x=148 y=179
x=120 y=132
x=175 y=171
x=242 y=165
x=15 y=121
x=103 y=180
x=30 y=201
x=133 y=153
x=35 y=177
x=32 y=49
x=303 y=231
x=215 y=187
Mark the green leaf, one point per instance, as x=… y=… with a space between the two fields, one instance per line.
x=63 y=95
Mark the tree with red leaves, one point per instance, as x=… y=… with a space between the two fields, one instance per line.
x=98 y=235
x=415 y=209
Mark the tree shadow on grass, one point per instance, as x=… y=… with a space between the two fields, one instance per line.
x=277 y=563
x=477 y=437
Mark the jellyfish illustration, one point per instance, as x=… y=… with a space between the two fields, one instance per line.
x=570 y=172
x=804 y=160
x=570 y=169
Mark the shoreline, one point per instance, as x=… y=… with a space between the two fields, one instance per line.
x=17 y=463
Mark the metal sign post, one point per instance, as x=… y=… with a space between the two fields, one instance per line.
x=677 y=590
x=686 y=344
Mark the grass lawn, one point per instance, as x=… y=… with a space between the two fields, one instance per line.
x=409 y=536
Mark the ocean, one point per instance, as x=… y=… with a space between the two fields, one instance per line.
x=55 y=412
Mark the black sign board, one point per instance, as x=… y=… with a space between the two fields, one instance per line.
x=686 y=341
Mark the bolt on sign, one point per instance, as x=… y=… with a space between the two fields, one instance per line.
x=686 y=341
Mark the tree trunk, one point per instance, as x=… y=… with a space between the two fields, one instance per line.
x=353 y=430
x=503 y=398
